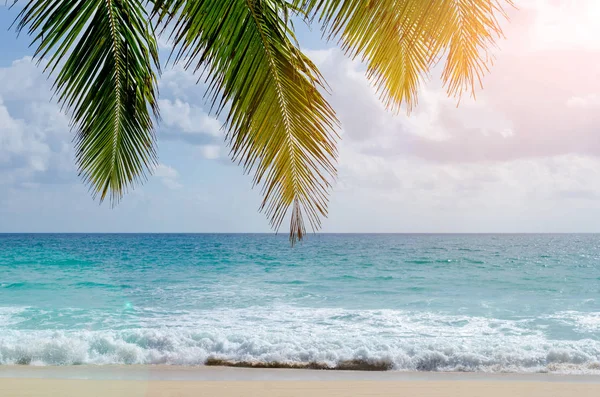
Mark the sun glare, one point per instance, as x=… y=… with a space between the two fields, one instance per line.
x=565 y=24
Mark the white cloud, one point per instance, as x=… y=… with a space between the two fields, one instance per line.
x=188 y=123
x=164 y=43
x=188 y=118
x=563 y=24
x=34 y=134
x=165 y=171
x=168 y=176
x=24 y=81
x=210 y=152
x=177 y=82
x=410 y=195
x=585 y=102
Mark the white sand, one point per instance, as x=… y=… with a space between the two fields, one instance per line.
x=135 y=381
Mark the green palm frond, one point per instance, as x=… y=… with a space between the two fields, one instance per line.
x=104 y=51
x=280 y=126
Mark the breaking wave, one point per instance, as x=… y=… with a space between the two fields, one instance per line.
x=312 y=338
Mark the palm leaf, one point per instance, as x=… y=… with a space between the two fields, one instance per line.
x=400 y=40
x=104 y=51
x=280 y=126
x=468 y=30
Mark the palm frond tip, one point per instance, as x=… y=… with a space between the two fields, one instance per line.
x=104 y=54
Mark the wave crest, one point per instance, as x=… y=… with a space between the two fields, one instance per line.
x=181 y=347
x=300 y=338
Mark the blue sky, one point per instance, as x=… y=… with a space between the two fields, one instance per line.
x=522 y=158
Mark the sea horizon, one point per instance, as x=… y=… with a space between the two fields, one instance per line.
x=311 y=234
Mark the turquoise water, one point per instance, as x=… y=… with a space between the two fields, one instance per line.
x=517 y=303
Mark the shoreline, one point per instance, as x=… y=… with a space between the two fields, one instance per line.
x=137 y=372
x=273 y=383
x=174 y=381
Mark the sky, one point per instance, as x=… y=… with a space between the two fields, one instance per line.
x=523 y=157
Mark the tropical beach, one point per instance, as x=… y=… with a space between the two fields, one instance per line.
x=297 y=197
x=433 y=315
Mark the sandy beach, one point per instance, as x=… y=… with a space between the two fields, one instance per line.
x=183 y=382
x=93 y=388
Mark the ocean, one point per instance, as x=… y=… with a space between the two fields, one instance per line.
x=480 y=303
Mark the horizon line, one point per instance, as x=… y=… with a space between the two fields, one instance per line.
x=315 y=233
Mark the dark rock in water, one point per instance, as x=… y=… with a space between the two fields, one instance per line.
x=24 y=361
x=365 y=365
x=348 y=365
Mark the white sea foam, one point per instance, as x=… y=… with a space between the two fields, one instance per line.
x=581 y=322
x=409 y=340
x=8 y=316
